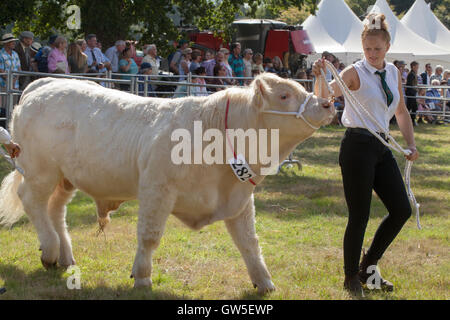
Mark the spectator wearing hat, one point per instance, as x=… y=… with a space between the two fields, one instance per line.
x=35 y=49
x=42 y=55
x=57 y=59
x=9 y=60
x=145 y=70
x=176 y=58
x=23 y=50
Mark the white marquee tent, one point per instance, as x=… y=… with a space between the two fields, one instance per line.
x=335 y=28
x=422 y=21
x=405 y=41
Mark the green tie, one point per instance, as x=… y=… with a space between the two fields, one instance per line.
x=387 y=91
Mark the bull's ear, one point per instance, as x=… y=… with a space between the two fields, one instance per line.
x=261 y=92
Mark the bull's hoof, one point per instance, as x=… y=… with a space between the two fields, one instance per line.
x=266 y=287
x=48 y=265
x=143 y=283
x=66 y=265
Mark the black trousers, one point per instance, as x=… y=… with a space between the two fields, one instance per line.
x=367 y=164
x=411 y=105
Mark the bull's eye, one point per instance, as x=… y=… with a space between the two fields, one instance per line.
x=284 y=97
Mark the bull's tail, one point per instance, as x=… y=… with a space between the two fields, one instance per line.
x=11 y=209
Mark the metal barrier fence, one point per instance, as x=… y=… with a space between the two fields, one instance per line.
x=139 y=84
x=168 y=85
x=442 y=112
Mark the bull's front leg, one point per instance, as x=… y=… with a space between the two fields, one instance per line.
x=155 y=205
x=242 y=230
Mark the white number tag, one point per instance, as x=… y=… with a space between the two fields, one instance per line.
x=241 y=169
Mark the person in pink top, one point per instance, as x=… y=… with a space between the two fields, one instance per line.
x=57 y=59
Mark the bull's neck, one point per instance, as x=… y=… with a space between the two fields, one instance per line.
x=287 y=144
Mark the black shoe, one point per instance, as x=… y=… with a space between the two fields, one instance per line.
x=353 y=286
x=369 y=277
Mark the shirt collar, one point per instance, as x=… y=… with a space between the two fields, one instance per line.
x=373 y=69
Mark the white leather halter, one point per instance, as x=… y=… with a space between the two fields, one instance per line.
x=298 y=114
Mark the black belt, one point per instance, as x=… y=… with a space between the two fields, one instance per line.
x=367 y=133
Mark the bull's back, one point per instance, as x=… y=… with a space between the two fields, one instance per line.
x=83 y=130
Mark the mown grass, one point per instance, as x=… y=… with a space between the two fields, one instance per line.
x=301 y=218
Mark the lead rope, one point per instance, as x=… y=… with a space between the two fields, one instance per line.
x=357 y=107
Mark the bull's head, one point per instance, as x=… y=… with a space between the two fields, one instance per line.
x=286 y=105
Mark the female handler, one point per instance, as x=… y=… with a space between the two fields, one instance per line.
x=365 y=162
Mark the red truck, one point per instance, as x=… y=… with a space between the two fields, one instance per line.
x=269 y=37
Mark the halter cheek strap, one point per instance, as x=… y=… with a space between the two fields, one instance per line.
x=298 y=114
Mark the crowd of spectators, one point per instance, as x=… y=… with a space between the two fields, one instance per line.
x=221 y=68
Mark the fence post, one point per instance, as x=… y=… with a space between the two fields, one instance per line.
x=146 y=85
x=132 y=84
x=444 y=105
x=10 y=97
x=189 y=81
x=109 y=76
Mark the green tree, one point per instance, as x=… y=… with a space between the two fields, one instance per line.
x=359 y=7
x=293 y=15
x=119 y=19
x=442 y=11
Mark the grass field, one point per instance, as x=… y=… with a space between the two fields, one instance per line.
x=301 y=218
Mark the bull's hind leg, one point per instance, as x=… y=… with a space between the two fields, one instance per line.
x=35 y=193
x=57 y=211
x=242 y=230
x=155 y=205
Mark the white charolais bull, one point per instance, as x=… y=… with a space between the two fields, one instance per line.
x=115 y=147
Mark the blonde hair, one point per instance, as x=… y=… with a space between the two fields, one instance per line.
x=375 y=25
x=75 y=51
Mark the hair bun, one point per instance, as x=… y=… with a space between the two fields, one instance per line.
x=375 y=21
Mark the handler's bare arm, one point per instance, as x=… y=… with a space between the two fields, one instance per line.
x=348 y=75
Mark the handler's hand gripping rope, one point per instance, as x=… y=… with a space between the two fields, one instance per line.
x=11 y=161
x=358 y=107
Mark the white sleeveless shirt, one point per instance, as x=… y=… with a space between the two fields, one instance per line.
x=371 y=95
